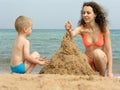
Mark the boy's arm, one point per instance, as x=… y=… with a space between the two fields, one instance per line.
x=27 y=55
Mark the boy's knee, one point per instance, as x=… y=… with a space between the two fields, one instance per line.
x=35 y=54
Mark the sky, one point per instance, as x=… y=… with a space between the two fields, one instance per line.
x=53 y=14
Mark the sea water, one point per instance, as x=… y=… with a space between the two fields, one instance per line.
x=47 y=42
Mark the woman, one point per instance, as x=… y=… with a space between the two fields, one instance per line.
x=95 y=36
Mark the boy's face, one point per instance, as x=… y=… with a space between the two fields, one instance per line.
x=28 y=30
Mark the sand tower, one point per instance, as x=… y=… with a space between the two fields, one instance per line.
x=68 y=60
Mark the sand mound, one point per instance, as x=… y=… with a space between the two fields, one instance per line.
x=68 y=60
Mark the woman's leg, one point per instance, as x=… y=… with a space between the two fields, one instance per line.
x=30 y=66
x=100 y=61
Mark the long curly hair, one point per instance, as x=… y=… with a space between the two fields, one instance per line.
x=100 y=15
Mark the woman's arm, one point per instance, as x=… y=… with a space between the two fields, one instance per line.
x=108 y=50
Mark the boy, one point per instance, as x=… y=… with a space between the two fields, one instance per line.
x=21 y=60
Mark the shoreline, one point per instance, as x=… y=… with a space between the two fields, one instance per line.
x=37 y=70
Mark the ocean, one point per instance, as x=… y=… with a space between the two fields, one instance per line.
x=47 y=42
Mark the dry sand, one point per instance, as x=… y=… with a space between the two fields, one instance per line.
x=57 y=82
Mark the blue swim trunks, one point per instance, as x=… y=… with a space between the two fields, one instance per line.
x=18 y=69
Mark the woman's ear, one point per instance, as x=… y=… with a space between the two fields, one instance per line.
x=95 y=15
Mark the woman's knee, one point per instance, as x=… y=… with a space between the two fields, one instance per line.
x=100 y=56
x=98 y=53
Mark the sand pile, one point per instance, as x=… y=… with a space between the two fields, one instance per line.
x=68 y=60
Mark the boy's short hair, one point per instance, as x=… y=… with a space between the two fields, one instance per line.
x=21 y=22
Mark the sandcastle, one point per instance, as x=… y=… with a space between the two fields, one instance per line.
x=68 y=60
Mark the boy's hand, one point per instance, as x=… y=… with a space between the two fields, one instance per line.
x=43 y=61
x=68 y=26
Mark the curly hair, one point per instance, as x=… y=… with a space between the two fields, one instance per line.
x=100 y=15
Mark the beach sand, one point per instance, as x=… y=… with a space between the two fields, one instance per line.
x=57 y=82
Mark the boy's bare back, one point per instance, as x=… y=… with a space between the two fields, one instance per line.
x=18 y=50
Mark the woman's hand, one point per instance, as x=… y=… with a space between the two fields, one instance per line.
x=68 y=26
x=110 y=74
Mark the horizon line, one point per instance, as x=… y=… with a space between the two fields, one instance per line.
x=54 y=28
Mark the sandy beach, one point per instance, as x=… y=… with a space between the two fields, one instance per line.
x=57 y=82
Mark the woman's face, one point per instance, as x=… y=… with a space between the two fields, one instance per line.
x=88 y=15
